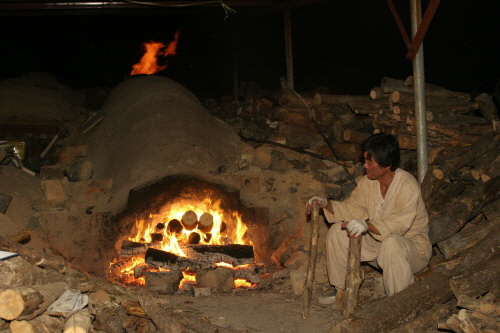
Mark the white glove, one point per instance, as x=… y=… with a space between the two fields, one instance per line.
x=356 y=227
x=315 y=201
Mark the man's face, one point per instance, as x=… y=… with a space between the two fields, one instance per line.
x=373 y=170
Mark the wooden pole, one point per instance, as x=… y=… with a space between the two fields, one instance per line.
x=311 y=267
x=354 y=276
x=288 y=48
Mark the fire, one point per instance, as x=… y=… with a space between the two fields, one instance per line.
x=156 y=230
x=172 y=242
x=153 y=50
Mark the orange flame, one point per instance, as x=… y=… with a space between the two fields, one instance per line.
x=149 y=61
x=173 y=243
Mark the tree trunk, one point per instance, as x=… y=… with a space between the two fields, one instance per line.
x=320 y=99
x=369 y=106
x=466 y=238
x=78 y=322
x=290 y=99
x=487 y=107
x=311 y=266
x=20 y=301
x=34 y=257
x=479 y=279
x=203 y=256
x=41 y=324
x=479 y=253
x=388 y=313
x=452 y=133
x=354 y=277
x=426 y=319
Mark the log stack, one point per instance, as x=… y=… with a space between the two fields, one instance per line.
x=465 y=231
x=392 y=109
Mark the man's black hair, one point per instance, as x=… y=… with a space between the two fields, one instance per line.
x=384 y=148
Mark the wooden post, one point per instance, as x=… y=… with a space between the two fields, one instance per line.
x=288 y=48
x=311 y=267
x=354 y=276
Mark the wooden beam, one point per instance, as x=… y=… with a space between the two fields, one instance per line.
x=399 y=23
x=422 y=29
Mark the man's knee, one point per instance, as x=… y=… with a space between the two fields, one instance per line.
x=335 y=230
x=393 y=245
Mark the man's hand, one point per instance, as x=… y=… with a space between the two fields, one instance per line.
x=315 y=201
x=356 y=227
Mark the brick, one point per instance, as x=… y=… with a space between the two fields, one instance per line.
x=52 y=172
x=68 y=154
x=202 y=291
x=298 y=279
x=297 y=259
x=54 y=193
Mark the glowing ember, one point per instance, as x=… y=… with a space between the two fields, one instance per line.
x=167 y=231
x=242 y=283
x=155 y=51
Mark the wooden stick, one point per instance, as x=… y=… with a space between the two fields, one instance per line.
x=311 y=267
x=347 y=164
x=354 y=276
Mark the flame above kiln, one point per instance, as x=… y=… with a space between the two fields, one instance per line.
x=155 y=52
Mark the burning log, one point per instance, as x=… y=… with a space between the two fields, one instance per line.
x=157 y=238
x=206 y=222
x=119 y=266
x=201 y=257
x=174 y=227
x=194 y=238
x=207 y=237
x=189 y=220
x=131 y=249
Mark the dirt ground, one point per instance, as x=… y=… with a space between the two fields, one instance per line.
x=276 y=310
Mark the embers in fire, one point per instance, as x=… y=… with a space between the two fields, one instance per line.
x=189 y=238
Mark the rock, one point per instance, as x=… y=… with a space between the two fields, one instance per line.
x=80 y=171
x=54 y=193
x=298 y=279
x=163 y=282
x=220 y=278
x=262 y=158
x=68 y=154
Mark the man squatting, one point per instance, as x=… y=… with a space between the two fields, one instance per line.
x=387 y=210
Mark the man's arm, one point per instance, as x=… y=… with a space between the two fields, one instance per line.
x=329 y=207
x=371 y=228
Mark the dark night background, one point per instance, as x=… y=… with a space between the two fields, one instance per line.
x=347 y=46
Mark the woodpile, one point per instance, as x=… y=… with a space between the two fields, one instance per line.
x=461 y=191
x=459 y=290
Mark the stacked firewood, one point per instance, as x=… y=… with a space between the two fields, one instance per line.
x=459 y=289
x=449 y=123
